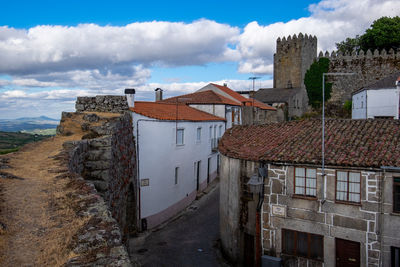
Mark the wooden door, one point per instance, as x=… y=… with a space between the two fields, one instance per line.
x=347 y=253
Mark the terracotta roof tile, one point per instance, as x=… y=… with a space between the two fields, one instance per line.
x=230 y=92
x=356 y=143
x=167 y=111
x=204 y=97
x=254 y=102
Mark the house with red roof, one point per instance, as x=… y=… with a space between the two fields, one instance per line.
x=176 y=154
x=224 y=102
x=281 y=202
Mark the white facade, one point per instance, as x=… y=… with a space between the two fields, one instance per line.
x=168 y=172
x=223 y=111
x=369 y=104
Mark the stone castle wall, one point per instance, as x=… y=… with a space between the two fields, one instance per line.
x=102 y=103
x=293 y=57
x=368 y=68
x=108 y=161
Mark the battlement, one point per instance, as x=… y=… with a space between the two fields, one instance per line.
x=293 y=57
x=361 y=55
x=295 y=40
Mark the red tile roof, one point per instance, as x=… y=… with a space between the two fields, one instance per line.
x=356 y=143
x=245 y=101
x=254 y=102
x=204 y=97
x=232 y=93
x=167 y=111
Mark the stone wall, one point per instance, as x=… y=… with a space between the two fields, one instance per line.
x=257 y=116
x=368 y=68
x=359 y=223
x=102 y=103
x=106 y=158
x=293 y=57
x=371 y=223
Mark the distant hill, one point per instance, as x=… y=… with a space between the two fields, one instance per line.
x=10 y=141
x=28 y=124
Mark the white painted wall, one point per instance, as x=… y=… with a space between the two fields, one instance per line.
x=216 y=110
x=158 y=155
x=382 y=102
x=359 y=108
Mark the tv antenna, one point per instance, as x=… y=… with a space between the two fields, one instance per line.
x=254 y=78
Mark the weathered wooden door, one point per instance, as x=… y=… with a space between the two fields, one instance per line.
x=248 y=250
x=347 y=253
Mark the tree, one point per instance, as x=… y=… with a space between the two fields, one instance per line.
x=349 y=45
x=384 y=33
x=313 y=82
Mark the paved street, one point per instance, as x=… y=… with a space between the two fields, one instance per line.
x=189 y=240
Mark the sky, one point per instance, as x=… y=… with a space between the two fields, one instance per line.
x=53 y=51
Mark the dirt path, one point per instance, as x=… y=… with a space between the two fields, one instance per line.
x=36 y=222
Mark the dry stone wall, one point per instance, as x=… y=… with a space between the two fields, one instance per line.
x=102 y=103
x=108 y=162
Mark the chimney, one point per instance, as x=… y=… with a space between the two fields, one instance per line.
x=130 y=96
x=225 y=84
x=159 y=94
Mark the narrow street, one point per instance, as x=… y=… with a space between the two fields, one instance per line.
x=189 y=240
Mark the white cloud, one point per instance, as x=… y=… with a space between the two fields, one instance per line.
x=331 y=21
x=89 y=46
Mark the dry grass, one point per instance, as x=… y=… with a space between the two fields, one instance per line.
x=38 y=211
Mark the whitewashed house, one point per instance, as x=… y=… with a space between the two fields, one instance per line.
x=377 y=100
x=176 y=156
x=222 y=101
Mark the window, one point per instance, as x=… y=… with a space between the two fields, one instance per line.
x=210 y=133
x=176 y=174
x=395 y=255
x=305 y=182
x=348 y=185
x=179 y=136
x=396 y=194
x=198 y=136
x=302 y=244
x=220 y=131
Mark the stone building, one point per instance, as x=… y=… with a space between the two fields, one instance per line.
x=292 y=59
x=343 y=214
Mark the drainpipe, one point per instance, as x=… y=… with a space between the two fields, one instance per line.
x=258 y=221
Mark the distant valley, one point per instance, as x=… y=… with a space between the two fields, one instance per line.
x=29 y=125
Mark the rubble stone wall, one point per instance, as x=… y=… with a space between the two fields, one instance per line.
x=102 y=103
x=109 y=163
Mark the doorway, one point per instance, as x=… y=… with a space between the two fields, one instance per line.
x=197 y=173
x=208 y=170
x=347 y=253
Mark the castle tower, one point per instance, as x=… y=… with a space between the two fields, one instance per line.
x=293 y=57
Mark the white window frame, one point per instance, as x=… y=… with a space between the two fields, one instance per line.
x=198 y=135
x=180 y=142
